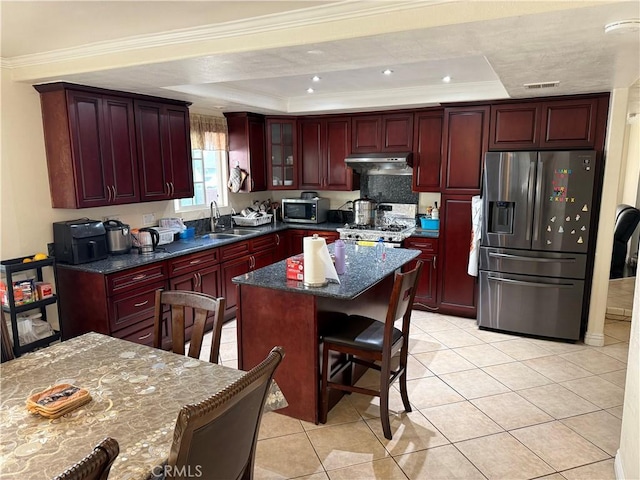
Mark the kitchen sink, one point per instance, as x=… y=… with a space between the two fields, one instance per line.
x=241 y=231
x=223 y=236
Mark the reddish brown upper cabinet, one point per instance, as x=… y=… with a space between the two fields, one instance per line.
x=515 y=126
x=465 y=140
x=552 y=124
x=367 y=134
x=458 y=290
x=324 y=143
x=164 y=151
x=282 y=154
x=569 y=123
x=247 y=148
x=391 y=132
x=427 y=151
x=90 y=143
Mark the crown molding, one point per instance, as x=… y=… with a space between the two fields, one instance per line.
x=343 y=10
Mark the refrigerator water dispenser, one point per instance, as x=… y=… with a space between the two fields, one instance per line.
x=501 y=217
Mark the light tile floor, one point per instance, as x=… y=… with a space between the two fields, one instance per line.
x=487 y=405
x=620 y=298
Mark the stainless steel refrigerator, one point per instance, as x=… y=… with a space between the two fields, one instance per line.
x=537 y=209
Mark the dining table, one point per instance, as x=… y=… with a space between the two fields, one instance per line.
x=137 y=392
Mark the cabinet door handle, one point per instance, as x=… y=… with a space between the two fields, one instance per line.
x=252 y=262
x=199 y=279
x=113 y=187
x=139 y=277
x=194 y=262
x=108 y=194
x=277 y=239
x=144 y=337
x=435 y=261
x=141 y=303
x=166 y=184
x=173 y=189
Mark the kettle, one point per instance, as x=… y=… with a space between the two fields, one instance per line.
x=148 y=239
x=118 y=236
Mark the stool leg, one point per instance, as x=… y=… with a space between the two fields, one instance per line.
x=324 y=388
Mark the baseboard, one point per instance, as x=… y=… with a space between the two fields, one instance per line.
x=594 y=339
x=617 y=467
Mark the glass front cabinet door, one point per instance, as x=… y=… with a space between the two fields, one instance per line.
x=281 y=152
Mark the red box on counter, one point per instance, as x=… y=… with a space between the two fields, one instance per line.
x=295 y=267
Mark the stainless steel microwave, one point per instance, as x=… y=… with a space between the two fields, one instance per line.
x=305 y=210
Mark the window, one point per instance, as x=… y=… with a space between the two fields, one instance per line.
x=209 y=180
x=209 y=161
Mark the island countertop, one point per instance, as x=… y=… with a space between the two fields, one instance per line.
x=363 y=270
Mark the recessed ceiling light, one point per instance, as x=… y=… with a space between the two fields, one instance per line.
x=446 y=79
x=387 y=72
x=623 y=26
x=310 y=90
x=315 y=78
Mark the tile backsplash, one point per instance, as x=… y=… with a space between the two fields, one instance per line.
x=388 y=188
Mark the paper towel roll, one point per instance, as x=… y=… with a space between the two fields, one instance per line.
x=314 y=268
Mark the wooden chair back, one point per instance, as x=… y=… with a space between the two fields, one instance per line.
x=401 y=303
x=203 y=307
x=217 y=437
x=96 y=465
x=5 y=339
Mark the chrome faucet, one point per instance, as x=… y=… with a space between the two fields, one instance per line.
x=214 y=217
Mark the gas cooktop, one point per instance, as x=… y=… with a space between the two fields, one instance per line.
x=394 y=223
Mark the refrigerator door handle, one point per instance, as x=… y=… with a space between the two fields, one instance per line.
x=538 y=200
x=530 y=197
x=532 y=259
x=531 y=284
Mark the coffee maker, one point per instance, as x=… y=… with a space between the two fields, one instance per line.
x=79 y=241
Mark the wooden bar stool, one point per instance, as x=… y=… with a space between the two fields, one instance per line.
x=366 y=341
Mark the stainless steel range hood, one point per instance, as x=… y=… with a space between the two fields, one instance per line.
x=381 y=163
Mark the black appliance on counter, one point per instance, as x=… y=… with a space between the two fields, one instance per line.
x=79 y=241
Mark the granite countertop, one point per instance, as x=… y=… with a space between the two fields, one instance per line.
x=362 y=271
x=116 y=263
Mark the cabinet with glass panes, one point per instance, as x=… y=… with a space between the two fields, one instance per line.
x=281 y=153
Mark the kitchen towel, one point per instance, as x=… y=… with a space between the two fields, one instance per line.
x=318 y=267
x=476 y=232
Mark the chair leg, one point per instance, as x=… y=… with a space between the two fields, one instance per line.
x=403 y=380
x=324 y=388
x=384 y=397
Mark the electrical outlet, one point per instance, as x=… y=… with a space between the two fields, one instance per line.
x=148 y=219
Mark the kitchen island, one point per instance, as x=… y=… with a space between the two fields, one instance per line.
x=275 y=311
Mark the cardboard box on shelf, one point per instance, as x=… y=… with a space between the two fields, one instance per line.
x=44 y=290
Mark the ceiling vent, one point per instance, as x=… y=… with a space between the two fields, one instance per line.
x=535 y=86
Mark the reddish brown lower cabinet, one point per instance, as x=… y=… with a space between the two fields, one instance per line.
x=198 y=272
x=296 y=236
x=119 y=304
x=426 y=296
x=458 y=290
